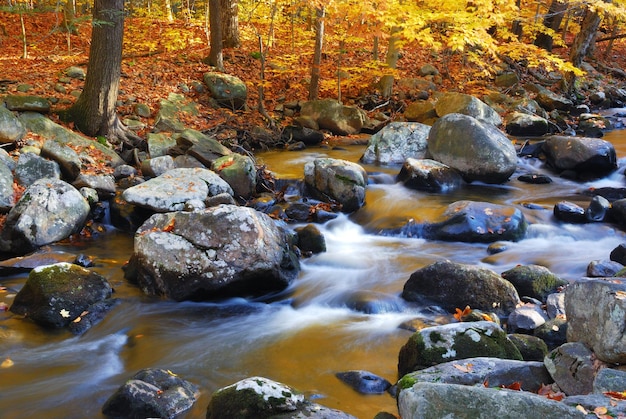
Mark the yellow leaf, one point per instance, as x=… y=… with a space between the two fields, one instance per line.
x=7 y=363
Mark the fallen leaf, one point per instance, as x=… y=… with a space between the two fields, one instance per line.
x=64 y=313
x=460 y=314
x=600 y=410
x=581 y=409
x=7 y=363
x=517 y=386
x=464 y=368
x=619 y=395
x=620 y=295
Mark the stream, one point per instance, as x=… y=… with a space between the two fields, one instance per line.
x=308 y=334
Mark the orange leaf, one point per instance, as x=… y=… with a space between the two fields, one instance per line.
x=464 y=368
x=620 y=395
x=459 y=314
x=517 y=386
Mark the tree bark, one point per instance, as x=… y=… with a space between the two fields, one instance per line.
x=393 y=53
x=94 y=111
x=215 y=57
x=230 y=23
x=317 y=55
x=552 y=20
x=584 y=40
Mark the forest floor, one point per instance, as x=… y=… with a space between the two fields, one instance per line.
x=160 y=57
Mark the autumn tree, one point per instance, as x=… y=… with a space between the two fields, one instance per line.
x=317 y=55
x=229 y=10
x=215 y=57
x=94 y=112
x=551 y=21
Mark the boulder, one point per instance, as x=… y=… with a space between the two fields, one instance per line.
x=239 y=172
x=587 y=157
x=553 y=332
x=429 y=175
x=171 y=190
x=68 y=160
x=49 y=210
x=533 y=281
x=7 y=193
x=332 y=115
x=422 y=111
x=104 y=185
x=259 y=397
x=526 y=318
x=453 y=285
x=11 y=129
x=530 y=347
x=477 y=222
x=55 y=295
x=310 y=239
x=32 y=167
x=206 y=149
x=522 y=124
x=480 y=370
x=299 y=134
x=598 y=209
x=26 y=103
x=151 y=393
x=159 y=143
x=396 y=142
x=227 y=90
x=551 y=101
x=573 y=368
x=219 y=252
x=596 y=315
x=157 y=166
x=569 y=212
x=339 y=180
x=454 y=341
x=461 y=103
x=168 y=116
x=478 y=150
x=435 y=401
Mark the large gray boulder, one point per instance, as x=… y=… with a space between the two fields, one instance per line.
x=479 y=370
x=396 y=142
x=32 y=167
x=151 y=393
x=339 y=180
x=11 y=129
x=453 y=102
x=596 y=315
x=533 y=281
x=523 y=124
x=259 y=397
x=587 y=157
x=334 y=116
x=478 y=150
x=435 y=401
x=218 y=252
x=49 y=210
x=56 y=295
x=239 y=172
x=206 y=149
x=454 y=341
x=453 y=285
x=227 y=90
x=429 y=175
x=171 y=190
x=573 y=368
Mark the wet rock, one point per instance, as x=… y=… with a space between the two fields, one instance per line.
x=533 y=281
x=454 y=341
x=477 y=150
x=152 y=393
x=68 y=160
x=553 y=332
x=310 y=239
x=11 y=129
x=596 y=315
x=259 y=397
x=371 y=302
x=569 y=212
x=526 y=318
x=573 y=368
x=171 y=190
x=239 y=172
x=521 y=124
x=476 y=222
x=307 y=136
x=396 y=142
x=597 y=403
x=49 y=210
x=434 y=400
x=461 y=103
x=598 y=209
x=7 y=193
x=619 y=254
x=205 y=148
x=609 y=379
x=337 y=118
x=55 y=295
x=555 y=305
x=229 y=91
x=454 y=285
x=218 y=252
x=104 y=185
x=603 y=268
x=429 y=175
x=480 y=370
x=94 y=314
x=34 y=260
x=364 y=381
x=531 y=348
x=157 y=166
x=535 y=178
x=551 y=101
x=31 y=167
x=341 y=180
x=587 y=157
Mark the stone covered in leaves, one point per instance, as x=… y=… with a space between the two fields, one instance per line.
x=454 y=285
x=396 y=142
x=533 y=281
x=49 y=210
x=55 y=295
x=151 y=393
x=478 y=150
x=338 y=180
x=262 y=398
x=453 y=341
x=227 y=90
x=218 y=252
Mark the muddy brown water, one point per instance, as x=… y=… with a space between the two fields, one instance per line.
x=309 y=334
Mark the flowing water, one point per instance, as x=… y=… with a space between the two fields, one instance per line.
x=303 y=338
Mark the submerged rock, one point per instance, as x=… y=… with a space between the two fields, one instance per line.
x=364 y=381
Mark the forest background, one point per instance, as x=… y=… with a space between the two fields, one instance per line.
x=293 y=50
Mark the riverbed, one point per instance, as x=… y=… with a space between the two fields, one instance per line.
x=310 y=332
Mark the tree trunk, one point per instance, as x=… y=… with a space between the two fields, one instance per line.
x=584 y=39
x=230 y=23
x=215 y=57
x=317 y=55
x=169 y=15
x=552 y=20
x=393 y=53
